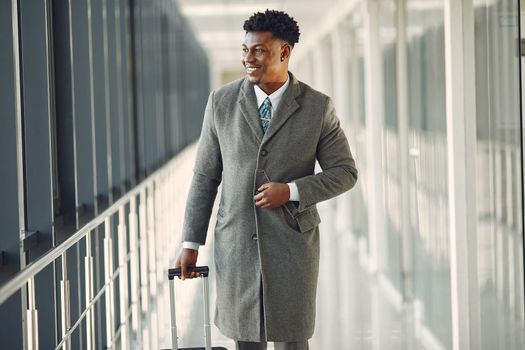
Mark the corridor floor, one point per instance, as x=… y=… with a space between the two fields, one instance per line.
x=367 y=320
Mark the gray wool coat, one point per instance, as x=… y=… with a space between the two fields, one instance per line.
x=273 y=252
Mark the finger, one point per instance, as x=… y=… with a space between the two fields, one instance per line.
x=258 y=196
x=263 y=203
x=177 y=265
x=263 y=187
x=183 y=270
x=190 y=271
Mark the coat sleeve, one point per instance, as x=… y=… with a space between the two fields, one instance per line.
x=339 y=173
x=207 y=175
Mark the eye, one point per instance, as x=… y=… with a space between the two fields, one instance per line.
x=259 y=51
x=245 y=50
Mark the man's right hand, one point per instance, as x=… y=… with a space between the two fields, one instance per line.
x=187 y=258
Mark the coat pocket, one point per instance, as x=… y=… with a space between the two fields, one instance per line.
x=289 y=218
x=304 y=221
x=308 y=220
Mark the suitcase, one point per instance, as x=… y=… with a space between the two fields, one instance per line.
x=204 y=271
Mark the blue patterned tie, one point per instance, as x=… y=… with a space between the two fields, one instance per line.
x=265 y=112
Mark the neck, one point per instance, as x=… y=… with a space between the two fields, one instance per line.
x=270 y=88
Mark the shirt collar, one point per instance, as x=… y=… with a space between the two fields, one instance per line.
x=275 y=97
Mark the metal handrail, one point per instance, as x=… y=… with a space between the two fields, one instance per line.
x=20 y=279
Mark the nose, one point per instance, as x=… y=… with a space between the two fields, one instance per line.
x=248 y=57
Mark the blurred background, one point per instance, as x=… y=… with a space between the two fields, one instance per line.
x=101 y=105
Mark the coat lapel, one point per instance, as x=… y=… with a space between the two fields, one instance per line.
x=286 y=108
x=248 y=106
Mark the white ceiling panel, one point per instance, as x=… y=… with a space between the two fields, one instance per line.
x=218 y=23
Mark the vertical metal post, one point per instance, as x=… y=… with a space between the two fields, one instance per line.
x=107 y=100
x=18 y=111
x=402 y=113
x=134 y=261
x=94 y=269
x=173 y=314
x=406 y=261
x=160 y=234
x=119 y=115
x=19 y=159
x=207 y=327
x=152 y=265
x=90 y=316
x=518 y=249
x=123 y=278
x=32 y=317
x=374 y=131
x=108 y=273
x=65 y=307
x=144 y=288
x=520 y=203
x=172 y=219
x=461 y=168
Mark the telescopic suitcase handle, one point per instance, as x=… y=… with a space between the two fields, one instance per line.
x=203 y=270
x=172 y=273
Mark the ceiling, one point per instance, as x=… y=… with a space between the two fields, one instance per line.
x=218 y=24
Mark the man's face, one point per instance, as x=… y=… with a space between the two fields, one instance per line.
x=265 y=58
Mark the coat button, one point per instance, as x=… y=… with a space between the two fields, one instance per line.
x=264 y=152
x=254 y=236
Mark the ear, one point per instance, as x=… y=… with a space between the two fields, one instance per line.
x=286 y=50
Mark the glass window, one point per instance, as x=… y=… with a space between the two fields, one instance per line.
x=353 y=25
x=390 y=141
x=500 y=236
x=428 y=167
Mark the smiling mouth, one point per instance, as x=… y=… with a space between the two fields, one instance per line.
x=250 y=70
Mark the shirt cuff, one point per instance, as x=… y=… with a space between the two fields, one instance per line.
x=294 y=192
x=190 y=245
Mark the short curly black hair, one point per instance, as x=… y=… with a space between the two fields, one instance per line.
x=280 y=24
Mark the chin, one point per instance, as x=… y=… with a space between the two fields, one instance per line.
x=254 y=80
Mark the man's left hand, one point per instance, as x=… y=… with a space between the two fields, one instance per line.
x=272 y=195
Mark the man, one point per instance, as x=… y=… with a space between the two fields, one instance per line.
x=261 y=137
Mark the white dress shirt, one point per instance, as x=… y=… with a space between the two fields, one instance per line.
x=275 y=99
